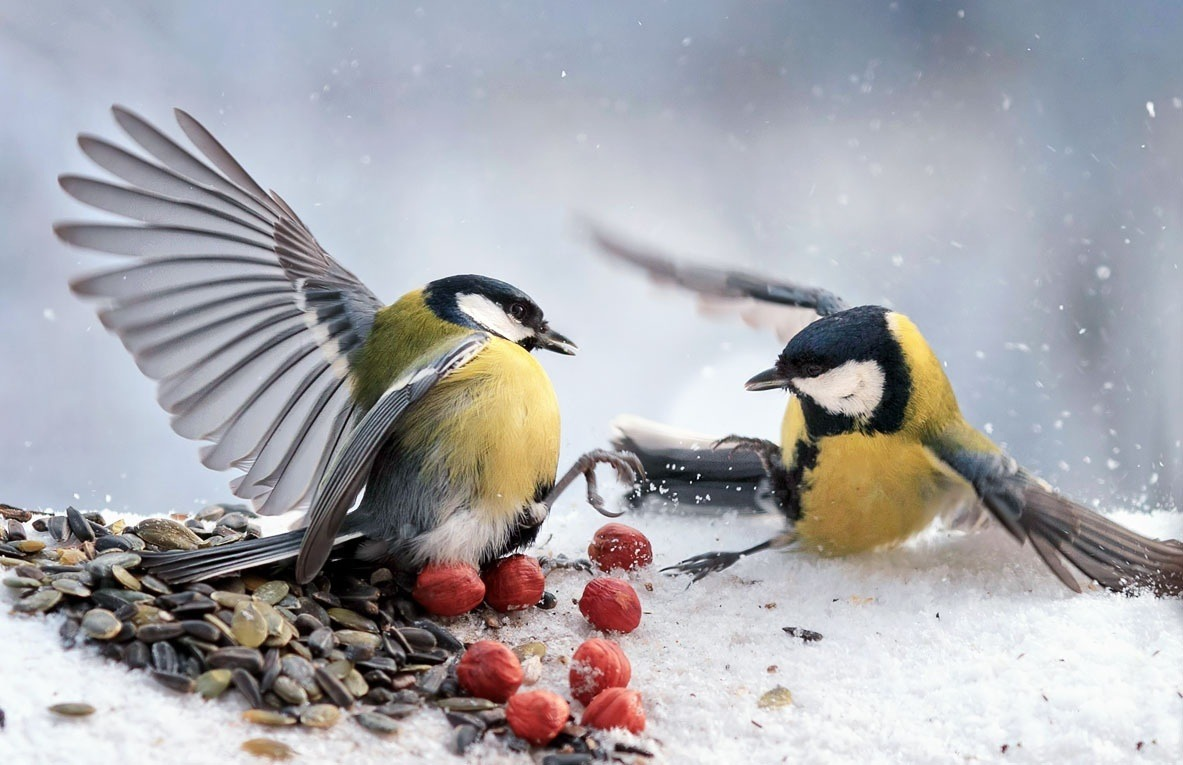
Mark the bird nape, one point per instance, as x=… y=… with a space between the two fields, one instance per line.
x=874 y=448
x=294 y=373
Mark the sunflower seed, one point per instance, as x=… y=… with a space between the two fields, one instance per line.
x=113 y=542
x=375 y=722
x=39 y=602
x=58 y=527
x=154 y=633
x=79 y=525
x=353 y=621
x=137 y=655
x=179 y=683
x=267 y=717
x=72 y=709
x=213 y=683
x=236 y=657
x=167 y=534
x=248 y=686
x=320 y=716
x=290 y=691
x=164 y=657
x=333 y=688
x=272 y=592
x=101 y=624
x=249 y=625
x=72 y=587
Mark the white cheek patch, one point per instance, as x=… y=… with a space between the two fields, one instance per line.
x=492 y=317
x=853 y=389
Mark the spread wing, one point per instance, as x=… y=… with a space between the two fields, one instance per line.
x=351 y=467
x=1062 y=531
x=782 y=307
x=248 y=326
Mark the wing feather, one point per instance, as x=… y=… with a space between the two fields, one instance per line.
x=783 y=307
x=214 y=307
x=1062 y=531
x=351 y=467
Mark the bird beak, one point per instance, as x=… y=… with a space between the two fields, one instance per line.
x=769 y=379
x=553 y=341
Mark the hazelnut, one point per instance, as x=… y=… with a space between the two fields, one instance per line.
x=611 y=604
x=449 y=589
x=489 y=670
x=616 y=708
x=618 y=546
x=537 y=716
x=514 y=583
x=597 y=664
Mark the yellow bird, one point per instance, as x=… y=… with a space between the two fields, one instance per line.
x=874 y=446
x=296 y=374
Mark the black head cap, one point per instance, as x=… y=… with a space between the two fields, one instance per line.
x=484 y=303
x=856 y=335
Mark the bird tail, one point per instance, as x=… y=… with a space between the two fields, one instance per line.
x=1114 y=556
x=179 y=567
x=690 y=471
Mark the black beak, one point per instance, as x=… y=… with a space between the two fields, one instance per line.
x=550 y=340
x=769 y=379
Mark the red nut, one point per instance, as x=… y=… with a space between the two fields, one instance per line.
x=597 y=664
x=611 y=604
x=616 y=708
x=618 y=546
x=490 y=671
x=514 y=583
x=449 y=589
x=537 y=716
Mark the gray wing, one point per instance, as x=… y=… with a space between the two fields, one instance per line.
x=351 y=467
x=246 y=323
x=1061 y=531
x=783 y=307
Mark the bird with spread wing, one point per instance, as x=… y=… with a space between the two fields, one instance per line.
x=873 y=448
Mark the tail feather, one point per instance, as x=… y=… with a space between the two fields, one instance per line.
x=1112 y=555
x=686 y=469
x=179 y=567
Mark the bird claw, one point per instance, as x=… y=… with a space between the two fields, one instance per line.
x=628 y=470
x=768 y=452
x=703 y=564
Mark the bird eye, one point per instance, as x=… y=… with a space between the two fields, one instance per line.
x=518 y=311
x=812 y=370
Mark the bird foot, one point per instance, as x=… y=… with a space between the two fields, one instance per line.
x=628 y=469
x=699 y=566
x=768 y=452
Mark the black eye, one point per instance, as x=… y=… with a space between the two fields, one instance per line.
x=812 y=369
x=517 y=310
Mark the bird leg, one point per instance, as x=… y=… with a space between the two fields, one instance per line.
x=768 y=452
x=628 y=470
x=708 y=563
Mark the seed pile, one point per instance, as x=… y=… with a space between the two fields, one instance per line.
x=341 y=646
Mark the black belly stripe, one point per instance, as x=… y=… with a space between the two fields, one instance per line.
x=789 y=484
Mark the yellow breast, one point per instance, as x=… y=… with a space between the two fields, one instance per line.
x=866 y=492
x=491 y=427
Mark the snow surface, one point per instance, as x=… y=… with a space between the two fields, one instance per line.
x=955 y=648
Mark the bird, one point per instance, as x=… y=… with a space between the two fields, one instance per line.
x=874 y=448
x=296 y=374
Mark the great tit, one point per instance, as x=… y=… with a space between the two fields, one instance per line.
x=297 y=375
x=874 y=444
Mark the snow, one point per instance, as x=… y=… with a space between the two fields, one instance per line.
x=954 y=648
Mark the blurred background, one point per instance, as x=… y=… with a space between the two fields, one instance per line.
x=1008 y=174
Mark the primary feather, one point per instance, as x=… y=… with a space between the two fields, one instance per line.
x=247 y=324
